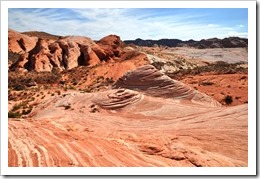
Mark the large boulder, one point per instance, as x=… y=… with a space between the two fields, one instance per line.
x=112 y=46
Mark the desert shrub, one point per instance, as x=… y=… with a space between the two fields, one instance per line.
x=45 y=87
x=19 y=87
x=207 y=83
x=93 y=110
x=87 y=90
x=19 y=81
x=12 y=114
x=228 y=99
x=109 y=80
x=18 y=106
x=62 y=82
x=32 y=98
x=67 y=107
x=24 y=112
x=13 y=57
x=75 y=81
x=243 y=77
x=71 y=88
x=99 y=78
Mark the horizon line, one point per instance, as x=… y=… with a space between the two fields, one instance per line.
x=165 y=38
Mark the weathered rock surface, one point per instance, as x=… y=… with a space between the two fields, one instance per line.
x=149 y=80
x=155 y=122
x=20 y=43
x=132 y=129
x=111 y=44
x=63 y=53
x=169 y=66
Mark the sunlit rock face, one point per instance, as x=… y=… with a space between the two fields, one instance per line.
x=135 y=124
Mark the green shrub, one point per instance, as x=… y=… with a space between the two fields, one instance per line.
x=18 y=106
x=27 y=111
x=12 y=114
x=19 y=87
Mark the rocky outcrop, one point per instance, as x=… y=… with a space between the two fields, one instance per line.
x=147 y=79
x=230 y=42
x=20 y=43
x=112 y=45
x=65 y=52
x=170 y=66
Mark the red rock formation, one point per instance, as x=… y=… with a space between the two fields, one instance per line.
x=39 y=57
x=90 y=58
x=63 y=53
x=21 y=63
x=151 y=81
x=20 y=43
x=71 y=53
x=111 y=44
x=56 y=57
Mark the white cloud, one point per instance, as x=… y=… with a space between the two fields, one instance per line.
x=240 y=26
x=127 y=23
x=227 y=28
x=212 y=25
x=237 y=34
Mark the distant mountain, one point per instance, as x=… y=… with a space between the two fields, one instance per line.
x=42 y=35
x=230 y=42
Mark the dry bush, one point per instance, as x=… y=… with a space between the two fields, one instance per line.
x=13 y=57
x=228 y=99
x=207 y=83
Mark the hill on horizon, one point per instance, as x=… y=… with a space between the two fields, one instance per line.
x=42 y=35
x=228 y=42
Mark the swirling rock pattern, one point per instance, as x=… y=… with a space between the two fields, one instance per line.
x=149 y=80
x=148 y=119
x=118 y=99
x=122 y=127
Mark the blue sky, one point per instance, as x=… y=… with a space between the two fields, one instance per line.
x=132 y=23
